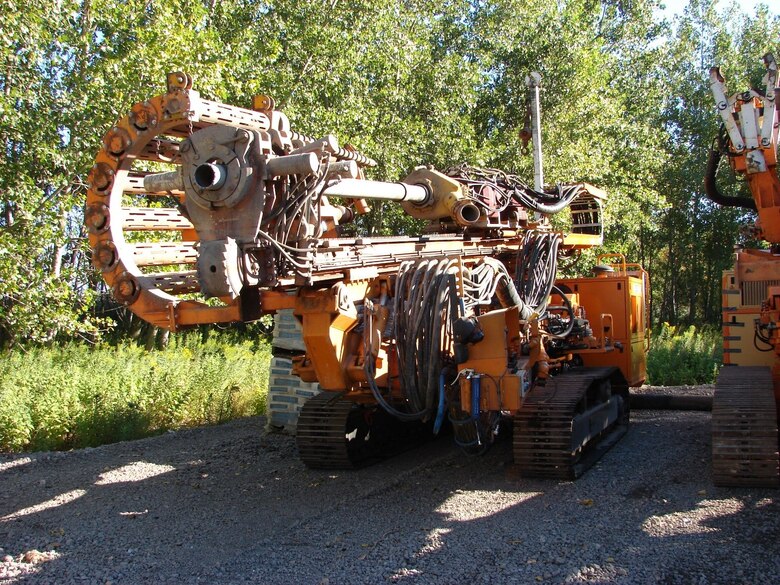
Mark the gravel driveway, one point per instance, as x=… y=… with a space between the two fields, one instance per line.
x=229 y=504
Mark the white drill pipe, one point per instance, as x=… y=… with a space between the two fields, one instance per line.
x=361 y=189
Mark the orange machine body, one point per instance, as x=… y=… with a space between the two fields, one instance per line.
x=614 y=303
x=616 y=308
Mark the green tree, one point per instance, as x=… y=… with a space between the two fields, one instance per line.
x=696 y=237
x=625 y=106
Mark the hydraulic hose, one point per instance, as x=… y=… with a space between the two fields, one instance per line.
x=711 y=186
x=568 y=308
x=535 y=200
x=506 y=290
x=441 y=409
x=426 y=304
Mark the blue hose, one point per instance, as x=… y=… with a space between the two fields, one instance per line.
x=476 y=383
x=440 y=412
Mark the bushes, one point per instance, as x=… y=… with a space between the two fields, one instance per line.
x=683 y=356
x=76 y=395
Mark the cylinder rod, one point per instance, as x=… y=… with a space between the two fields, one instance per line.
x=161 y=182
x=360 y=189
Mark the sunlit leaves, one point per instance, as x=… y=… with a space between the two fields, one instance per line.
x=625 y=105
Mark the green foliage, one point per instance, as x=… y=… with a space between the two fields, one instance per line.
x=693 y=240
x=680 y=355
x=76 y=395
x=625 y=103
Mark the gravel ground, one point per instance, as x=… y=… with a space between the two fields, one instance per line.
x=231 y=505
x=703 y=390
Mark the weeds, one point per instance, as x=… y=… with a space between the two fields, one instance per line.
x=683 y=356
x=77 y=396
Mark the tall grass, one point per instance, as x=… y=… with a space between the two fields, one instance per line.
x=76 y=395
x=684 y=355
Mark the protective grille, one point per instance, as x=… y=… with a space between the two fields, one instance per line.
x=754 y=293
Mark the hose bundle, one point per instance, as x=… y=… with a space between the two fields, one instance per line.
x=425 y=306
x=490 y=280
x=291 y=217
x=537 y=265
x=508 y=188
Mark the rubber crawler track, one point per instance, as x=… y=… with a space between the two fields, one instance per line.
x=543 y=426
x=321 y=432
x=744 y=428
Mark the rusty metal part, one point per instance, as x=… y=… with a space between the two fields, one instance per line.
x=105 y=256
x=217 y=167
x=345 y=153
x=159 y=182
x=293 y=164
x=327 y=143
x=218 y=268
x=117 y=141
x=566 y=425
x=465 y=213
x=101 y=177
x=126 y=288
x=744 y=428
x=143 y=116
x=346 y=169
x=96 y=218
x=154 y=219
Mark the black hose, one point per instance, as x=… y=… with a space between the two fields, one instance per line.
x=568 y=308
x=537 y=264
x=426 y=304
x=544 y=202
x=509 y=187
x=506 y=290
x=711 y=186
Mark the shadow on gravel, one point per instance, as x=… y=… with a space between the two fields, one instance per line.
x=228 y=505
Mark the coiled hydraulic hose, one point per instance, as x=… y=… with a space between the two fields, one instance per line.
x=426 y=305
x=537 y=264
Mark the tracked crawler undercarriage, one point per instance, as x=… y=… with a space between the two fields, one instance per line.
x=200 y=212
x=567 y=424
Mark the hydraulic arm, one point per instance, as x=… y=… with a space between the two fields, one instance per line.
x=745 y=436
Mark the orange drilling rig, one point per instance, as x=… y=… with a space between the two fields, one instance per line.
x=200 y=212
x=744 y=415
